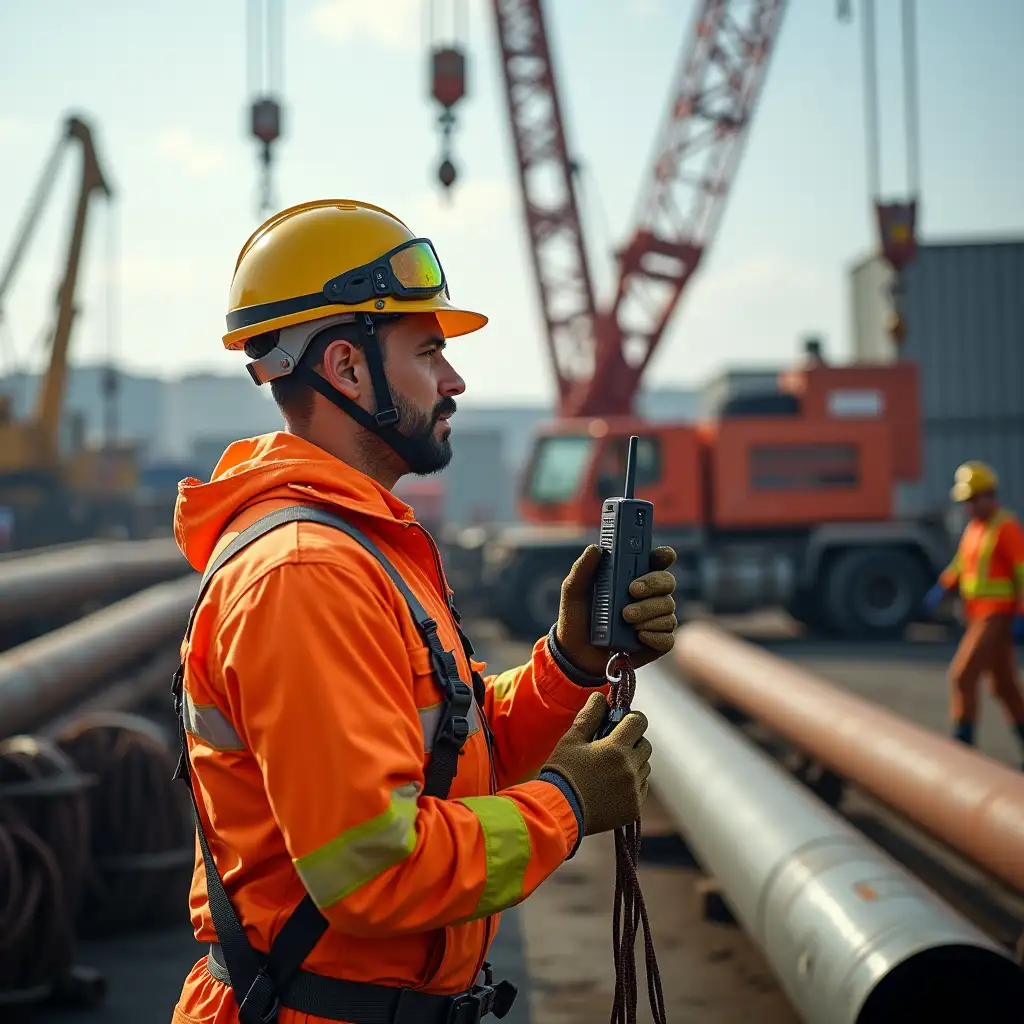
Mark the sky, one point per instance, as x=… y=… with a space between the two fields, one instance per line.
x=165 y=87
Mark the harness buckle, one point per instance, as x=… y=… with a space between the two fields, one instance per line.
x=472 y=1006
x=261 y=1004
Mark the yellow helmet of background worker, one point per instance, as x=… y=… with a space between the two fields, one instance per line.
x=972 y=479
x=336 y=256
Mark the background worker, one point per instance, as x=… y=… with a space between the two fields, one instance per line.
x=318 y=686
x=988 y=568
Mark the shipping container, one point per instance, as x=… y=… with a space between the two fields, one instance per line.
x=964 y=311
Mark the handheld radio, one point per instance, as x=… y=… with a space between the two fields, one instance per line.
x=627 y=525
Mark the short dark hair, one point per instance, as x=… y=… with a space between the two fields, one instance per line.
x=293 y=397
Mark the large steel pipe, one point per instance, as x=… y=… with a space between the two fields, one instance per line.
x=851 y=936
x=40 y=678
x=35 y=584
x=972 y=804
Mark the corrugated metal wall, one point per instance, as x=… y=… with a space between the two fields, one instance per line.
x=964 y=308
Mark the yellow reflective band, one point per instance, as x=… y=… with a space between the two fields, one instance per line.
x=1018 y=575
x=206 y=723
x=504 y=685
x=429 y=717
x=978 y=584
x=507 y=846
x=358 y=856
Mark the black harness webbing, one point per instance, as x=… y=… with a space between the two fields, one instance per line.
x=263 y=983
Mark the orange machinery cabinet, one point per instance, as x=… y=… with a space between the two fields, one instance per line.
x=858 y=393
x=777 y=473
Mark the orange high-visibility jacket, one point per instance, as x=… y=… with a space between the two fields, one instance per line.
x=310 y=698
x=989 y=567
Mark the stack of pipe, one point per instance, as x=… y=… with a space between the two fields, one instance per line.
x=95 y=836
x=972 y=804
x=45 y=676
x=48 y=581
x=851 y=936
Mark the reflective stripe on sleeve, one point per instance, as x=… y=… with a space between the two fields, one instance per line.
x=429 y=717
x=358 y=856
x=507 y=847
x=206 y=723
x=503 y=686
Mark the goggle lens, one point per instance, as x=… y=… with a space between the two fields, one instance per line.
x=416 y=266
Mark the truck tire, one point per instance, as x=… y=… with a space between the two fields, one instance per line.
x=873 y=593
x=532 y=591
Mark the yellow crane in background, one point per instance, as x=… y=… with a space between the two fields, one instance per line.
x=53 y=496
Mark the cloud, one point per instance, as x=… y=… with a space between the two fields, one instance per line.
x=347 y=21
x=195 y=157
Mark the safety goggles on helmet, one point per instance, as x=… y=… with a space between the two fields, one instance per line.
x=408 y=272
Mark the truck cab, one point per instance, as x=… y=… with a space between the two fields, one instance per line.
x=786 y=498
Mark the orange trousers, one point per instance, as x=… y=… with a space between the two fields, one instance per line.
x=987 y=648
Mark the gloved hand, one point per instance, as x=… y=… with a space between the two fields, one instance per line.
x=935 y=597
x=1018 y=629
x=608 y=776
x=653 y=613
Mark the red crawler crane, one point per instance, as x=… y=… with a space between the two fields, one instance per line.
x=600 y=355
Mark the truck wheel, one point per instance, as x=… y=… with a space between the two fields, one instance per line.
x=874 y=593
x=529 y=607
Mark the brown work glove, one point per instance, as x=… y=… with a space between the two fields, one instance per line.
x=608 y=776
x=653 y=613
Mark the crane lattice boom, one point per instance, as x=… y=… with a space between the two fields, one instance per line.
x=546 y=182
x=600 y=355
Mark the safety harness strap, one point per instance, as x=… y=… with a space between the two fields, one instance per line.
x=259 y=981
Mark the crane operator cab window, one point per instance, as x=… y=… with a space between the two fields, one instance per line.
x=611 y=465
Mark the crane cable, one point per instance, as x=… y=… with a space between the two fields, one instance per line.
x=265 y=69
x=910 y=99
x=629 y=911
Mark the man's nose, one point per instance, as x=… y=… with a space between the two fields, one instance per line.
x=450 y=384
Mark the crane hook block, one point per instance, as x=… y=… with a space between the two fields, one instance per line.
x=266 y=120
x=446 y=173
x=896 y=227
x=448 y=65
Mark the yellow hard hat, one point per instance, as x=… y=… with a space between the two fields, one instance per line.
x=971 y=479
x=335 y=256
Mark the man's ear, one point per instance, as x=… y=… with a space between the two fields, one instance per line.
x=343 y=368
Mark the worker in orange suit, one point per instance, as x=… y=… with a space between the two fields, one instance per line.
x=988 y=569
x=354 y=773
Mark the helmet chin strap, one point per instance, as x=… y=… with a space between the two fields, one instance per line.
x=382 y=423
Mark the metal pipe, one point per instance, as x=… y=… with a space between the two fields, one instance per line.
x=124 y=694
x=972 y=804
x=40 y=678
x=36 y=584
x=852 y=937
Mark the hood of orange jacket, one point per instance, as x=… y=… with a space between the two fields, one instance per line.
x=271 y=467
